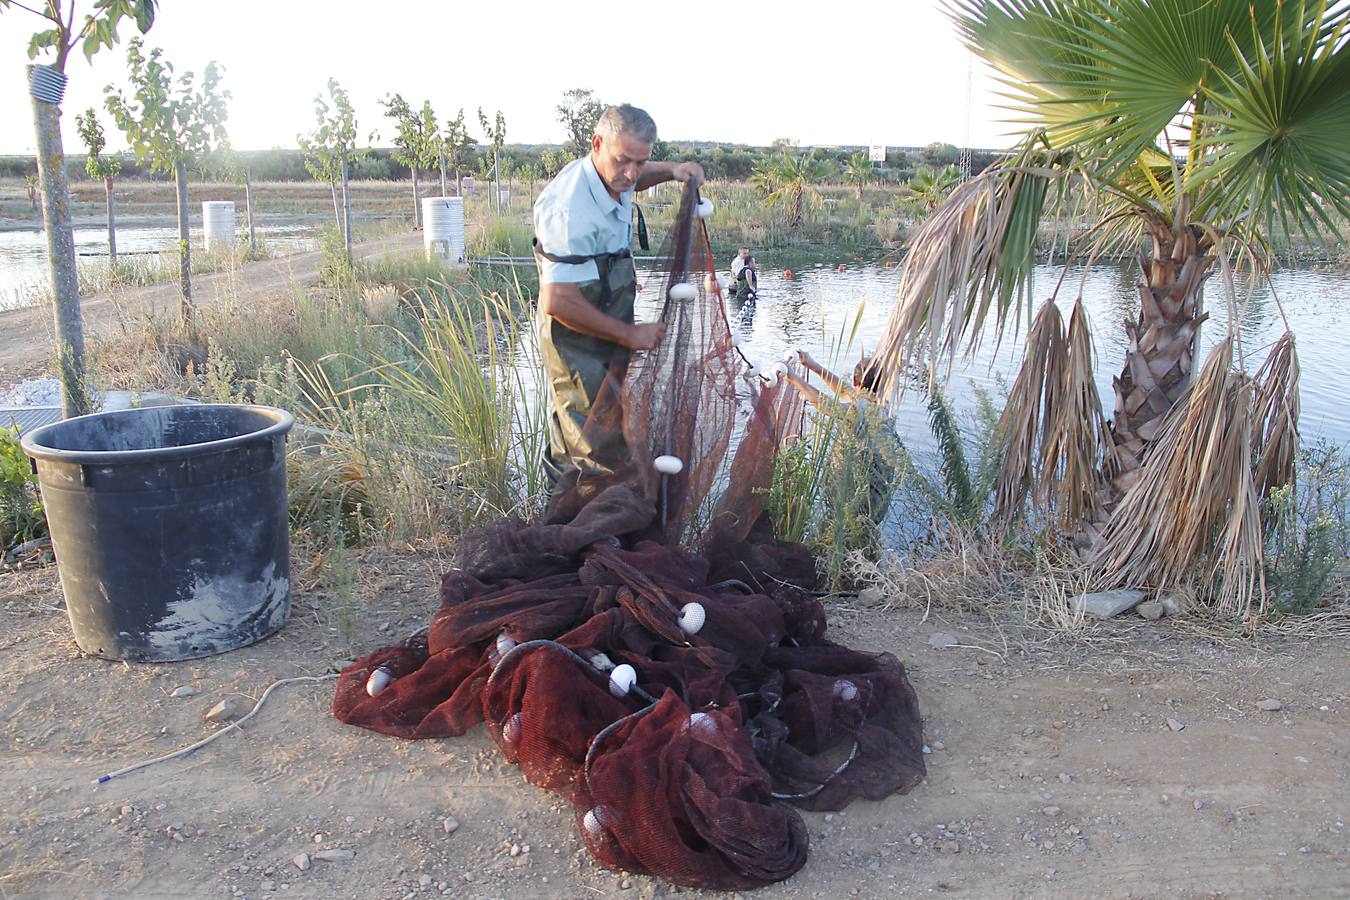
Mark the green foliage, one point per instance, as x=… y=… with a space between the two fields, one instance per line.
x=167 y=125
x=332 y=143
x=91 y=132
x=335 y=270
x=99 y=28
x=578 y=113
x=1308 y=530
x=955 y=471
x=790 y=178
x=458 y=146
x=411 y=140
x=21 y=516
x=859 y=171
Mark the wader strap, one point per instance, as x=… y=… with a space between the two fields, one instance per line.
x=603 y=263
x=641 y=229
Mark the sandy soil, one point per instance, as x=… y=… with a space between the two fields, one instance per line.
x=1054 y=772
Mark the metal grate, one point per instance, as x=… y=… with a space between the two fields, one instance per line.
x=26 y=418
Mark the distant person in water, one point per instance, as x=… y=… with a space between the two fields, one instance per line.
x=747 y=280
x=866 y=456
x=738 y=262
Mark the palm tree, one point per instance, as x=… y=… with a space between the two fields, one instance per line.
x=790 y=178
x=859 y=171
x=1202 y=132
x=931 y=186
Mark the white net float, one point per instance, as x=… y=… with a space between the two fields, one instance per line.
x=668 y=465
x=750 y=371
x=505 y=644
x=702 y=723
x=692 y=616
x=705 y=208
x=595 y=821
x=735 y=338
x=683 y=291
x=846 y=690
x=778 y=368
x=622 y=679
x=771 y=380
x=511 y=729
x=380 y=679
x=792 y=356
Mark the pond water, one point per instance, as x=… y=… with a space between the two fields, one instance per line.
x=23 y=254
x=811 y=309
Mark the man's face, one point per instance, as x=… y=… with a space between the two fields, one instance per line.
x=619 y=160
x=745 y=253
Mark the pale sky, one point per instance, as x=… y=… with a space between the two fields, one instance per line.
x=746 y=72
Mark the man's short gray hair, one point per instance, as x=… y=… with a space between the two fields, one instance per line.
x=627 y=119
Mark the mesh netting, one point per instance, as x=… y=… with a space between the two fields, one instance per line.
x=691 y=772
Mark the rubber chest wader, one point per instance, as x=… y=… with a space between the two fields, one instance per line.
x=575 y=364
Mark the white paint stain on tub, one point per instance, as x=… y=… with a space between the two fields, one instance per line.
x=214 y=607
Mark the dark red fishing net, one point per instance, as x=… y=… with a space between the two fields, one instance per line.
x=691 y=773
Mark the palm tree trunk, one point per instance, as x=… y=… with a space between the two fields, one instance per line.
x=1160 y=358
x=248 y=211
x=445 y=190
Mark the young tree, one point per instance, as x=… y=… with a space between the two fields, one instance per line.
x=457 y=147
x=578 y=113
x=410 y=144
x=170 y=127
x=99 y=166
x=30 y=184
x=329 y=151
x=495 y=134
x=47 y=87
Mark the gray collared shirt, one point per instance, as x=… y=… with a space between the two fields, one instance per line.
x=576 y=216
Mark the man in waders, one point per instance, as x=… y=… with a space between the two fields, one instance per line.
x=583 y=227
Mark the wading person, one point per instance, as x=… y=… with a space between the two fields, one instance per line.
x=583 y=226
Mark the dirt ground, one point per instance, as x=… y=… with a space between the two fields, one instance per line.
x=1056 y=770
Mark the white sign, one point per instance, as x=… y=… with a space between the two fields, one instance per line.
x=877 y=153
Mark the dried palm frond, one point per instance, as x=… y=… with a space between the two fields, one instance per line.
x=1077 y=453
x=1056 y=442
x=1275 y=438
x=1195 y=498
x=973 y=256
x=1030 y=404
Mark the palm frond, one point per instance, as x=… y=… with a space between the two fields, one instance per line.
x=1195 y=502
x=1274 y=142
x=1275 y=437
x=1020 y=426
x=971 y=259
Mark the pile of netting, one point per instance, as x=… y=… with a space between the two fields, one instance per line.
x=683 y=699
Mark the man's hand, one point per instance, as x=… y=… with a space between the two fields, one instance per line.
x=688 y=171
x=644 y=335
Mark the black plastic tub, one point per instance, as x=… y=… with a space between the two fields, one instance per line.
x=169 y=526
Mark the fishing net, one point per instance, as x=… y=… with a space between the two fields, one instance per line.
x=648 y=650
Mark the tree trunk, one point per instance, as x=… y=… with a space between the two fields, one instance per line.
x=337 y=210
x=346 y=210
x=445 y=190
x=112 y=223
x=860 y=190
x=459 y=183
x=184 y=242
x=417 y=202
x=61 y=257
x=1160 y=357
x=248 y=211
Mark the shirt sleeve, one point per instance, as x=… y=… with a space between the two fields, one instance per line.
x=558 y=234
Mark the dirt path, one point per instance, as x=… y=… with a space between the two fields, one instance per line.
x=26 y=334
x=1055 y=770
